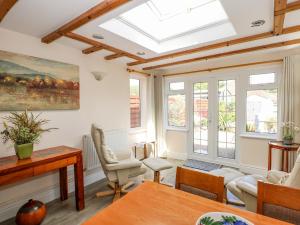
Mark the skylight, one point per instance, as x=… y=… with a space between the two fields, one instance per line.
x=166 y=20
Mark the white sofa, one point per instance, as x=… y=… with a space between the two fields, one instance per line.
x=245 y=188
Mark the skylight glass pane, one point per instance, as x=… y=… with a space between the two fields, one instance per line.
x=268 y=78
x=166 y=25
x=164 y=19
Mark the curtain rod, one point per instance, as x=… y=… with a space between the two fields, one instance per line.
x=136 y=71
x=225 y=67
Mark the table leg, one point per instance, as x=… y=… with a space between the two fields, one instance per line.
x=282 y=160
x=286 y=161
x=79 y=187
x=270 y=158
x=63 y=181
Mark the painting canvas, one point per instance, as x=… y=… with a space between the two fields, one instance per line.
x=33 y=83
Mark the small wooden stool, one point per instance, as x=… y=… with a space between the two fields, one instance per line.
x=157 y=165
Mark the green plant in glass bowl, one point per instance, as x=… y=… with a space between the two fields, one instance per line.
x=23 y=129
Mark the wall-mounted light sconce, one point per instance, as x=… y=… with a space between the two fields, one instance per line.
x=98 y=75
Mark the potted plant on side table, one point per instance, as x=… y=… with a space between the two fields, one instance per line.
x=23 y=129
x=289 y=130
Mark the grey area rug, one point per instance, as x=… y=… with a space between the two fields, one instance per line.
x=200 y=165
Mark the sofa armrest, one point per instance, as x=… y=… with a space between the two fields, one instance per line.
x=124 y=164
x=274 y=176
x=248 y=184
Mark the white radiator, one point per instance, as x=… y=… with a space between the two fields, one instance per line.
x=115 y=139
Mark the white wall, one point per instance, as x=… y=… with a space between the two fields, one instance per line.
x=253 y=153
x=105 y=103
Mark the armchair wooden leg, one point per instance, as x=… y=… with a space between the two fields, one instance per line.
x=124 y=187
x=105 y=193
x=118 y=190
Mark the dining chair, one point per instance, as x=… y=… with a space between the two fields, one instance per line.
x=279 y=201
x=199 y=183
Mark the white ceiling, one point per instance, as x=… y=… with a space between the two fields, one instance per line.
x=40 y=17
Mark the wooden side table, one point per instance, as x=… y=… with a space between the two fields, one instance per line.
x=286 y=149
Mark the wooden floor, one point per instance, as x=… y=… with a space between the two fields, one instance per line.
x=64 y=213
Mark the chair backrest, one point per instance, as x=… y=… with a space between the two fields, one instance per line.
x=279 y=202
x=294 y=178
x=203 y=184
x=99 y=142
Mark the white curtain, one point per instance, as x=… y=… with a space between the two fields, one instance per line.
x=159 y=115
x=151 y=131
x=287 y=88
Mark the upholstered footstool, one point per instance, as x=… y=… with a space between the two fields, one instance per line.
x=157 y=165
x=229 y=175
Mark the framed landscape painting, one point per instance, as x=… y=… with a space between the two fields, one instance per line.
x=33 y=83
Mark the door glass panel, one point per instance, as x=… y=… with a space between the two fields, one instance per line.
x=227 y=119
x=200 y=98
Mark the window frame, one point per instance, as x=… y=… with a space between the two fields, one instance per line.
x=169 y=92
x=143 y=106
x=268 y=86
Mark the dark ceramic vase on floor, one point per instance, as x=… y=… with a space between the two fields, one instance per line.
x=31 y=213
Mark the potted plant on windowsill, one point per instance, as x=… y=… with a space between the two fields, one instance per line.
x=289 y=130
x=23 y=129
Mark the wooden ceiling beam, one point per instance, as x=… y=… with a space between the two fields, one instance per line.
x=279 y=5
x=287 y=30
x=224 y=67
x=224 y=54
x=5 y=6
x=98 y=44
x=92 y=49
x=289 y=8
x=114 y=56
x=93 y=13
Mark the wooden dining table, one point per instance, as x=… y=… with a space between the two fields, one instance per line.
x=157 y=204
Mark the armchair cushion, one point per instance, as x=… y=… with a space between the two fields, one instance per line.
x=276 y=177
x=124 y=164
x=109 y=155
x=248 y=184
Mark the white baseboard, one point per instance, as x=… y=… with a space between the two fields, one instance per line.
x=176 y=155
x=45 y=193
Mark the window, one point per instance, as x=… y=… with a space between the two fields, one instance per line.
x=176 y=110
x=200 y=97
x=227 y=119
x=267 y=78
x=176 y=105
x=151 y=23
x=135 y=103
x=262 y=104
x=176 y=86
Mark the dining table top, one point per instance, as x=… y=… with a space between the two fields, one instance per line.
x=156 y=204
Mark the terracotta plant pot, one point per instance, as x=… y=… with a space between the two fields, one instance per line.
x=31 y=213
x=24 y=151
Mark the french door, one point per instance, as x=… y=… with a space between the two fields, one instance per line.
x=214 y=119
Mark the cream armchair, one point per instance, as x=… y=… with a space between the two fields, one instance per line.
x=245 y=188
x=118 y=169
